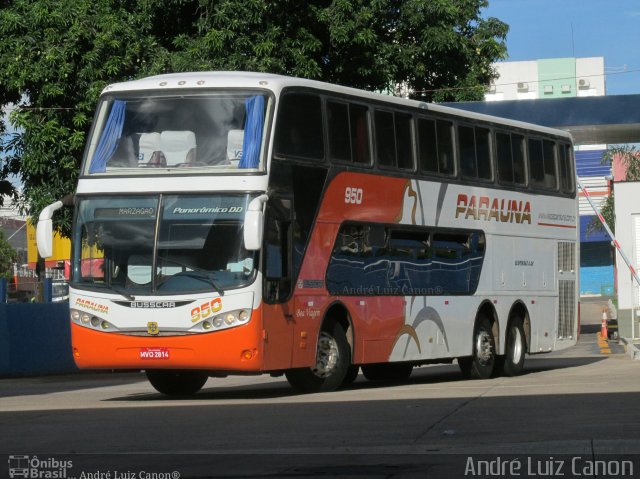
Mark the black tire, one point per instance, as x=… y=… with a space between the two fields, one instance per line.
x=176 y=383
x=482 y=363
x=391 y=372
x=333 y=359
x=515 y=349
x=351 y=376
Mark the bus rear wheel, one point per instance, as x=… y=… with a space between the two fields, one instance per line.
x=176 y=383
x=333 y=359
x=483 y=360
x=516 y=348
x=387 y=371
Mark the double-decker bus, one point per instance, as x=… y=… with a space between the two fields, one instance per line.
x=247 y=223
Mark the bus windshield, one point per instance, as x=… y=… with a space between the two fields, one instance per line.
x=155 y=133
x=162 y=244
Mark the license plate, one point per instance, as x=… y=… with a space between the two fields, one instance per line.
x=154 y=353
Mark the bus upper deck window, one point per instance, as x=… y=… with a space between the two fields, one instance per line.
x=299 y=127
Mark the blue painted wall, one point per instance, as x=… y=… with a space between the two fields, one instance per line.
x=589 y=163
x=35 y=339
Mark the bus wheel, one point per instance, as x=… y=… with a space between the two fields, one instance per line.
x=351 y=376
x=480 y=365
x=333 y=360
x=176 y=383
x=516 y=348
x=387 y=371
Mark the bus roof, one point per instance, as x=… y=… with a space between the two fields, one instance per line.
x=276 y=83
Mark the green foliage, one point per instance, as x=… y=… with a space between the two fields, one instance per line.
x=8 y=256
x=630 y=158
x=58 y=55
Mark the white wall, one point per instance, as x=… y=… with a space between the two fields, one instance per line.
x=627 y=209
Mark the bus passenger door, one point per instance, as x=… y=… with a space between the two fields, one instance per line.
x=278 y=316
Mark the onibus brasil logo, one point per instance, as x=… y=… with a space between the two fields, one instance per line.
x=32 y=467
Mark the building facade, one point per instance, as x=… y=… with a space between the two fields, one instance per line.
x=549 y=78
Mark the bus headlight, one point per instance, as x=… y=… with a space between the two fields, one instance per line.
x=90 y=321
x=227 y=320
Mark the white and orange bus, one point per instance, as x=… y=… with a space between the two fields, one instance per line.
x=247 y=223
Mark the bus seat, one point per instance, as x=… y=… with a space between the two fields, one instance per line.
x=235 y=138
x=157 y=160
x=176 y=145
x=148 y=143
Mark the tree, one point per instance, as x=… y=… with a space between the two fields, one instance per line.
x=57 y=56
x=630 y=158
x=8 y=256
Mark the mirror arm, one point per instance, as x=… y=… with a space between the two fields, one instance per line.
x=47 y=211
x=258 y=204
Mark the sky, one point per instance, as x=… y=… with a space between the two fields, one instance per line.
x=576 y=28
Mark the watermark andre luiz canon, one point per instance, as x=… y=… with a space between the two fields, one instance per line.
x=548 y=466
x=34 y=467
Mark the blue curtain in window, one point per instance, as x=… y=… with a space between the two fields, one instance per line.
x=109 y=139
x=252 y=132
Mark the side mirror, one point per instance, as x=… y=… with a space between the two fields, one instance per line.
x=44 y=230
x=254 y=223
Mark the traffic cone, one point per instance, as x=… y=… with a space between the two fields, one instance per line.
x=604 y=333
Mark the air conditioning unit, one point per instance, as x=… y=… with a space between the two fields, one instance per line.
x=566 y=88
x=548 y=89
x=583 y=84
x=523 y=86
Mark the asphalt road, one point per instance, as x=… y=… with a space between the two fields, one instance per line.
x=581 y=403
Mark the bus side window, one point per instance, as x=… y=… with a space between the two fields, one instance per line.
x=427 y=146
x=435 y=146
x=536 y=164
x=404 y=145
x=348 y=125
x=542 y=163
x=446 y=160
x=467 y=149
x=299 y=127
x=566 y=168
x=550 y=172
x=385 y=139
x=483 y=153
x=505 y=159
x=338 y=121
x=475 y=152
x=510 y=156
x=359 y=126
x=517 y=150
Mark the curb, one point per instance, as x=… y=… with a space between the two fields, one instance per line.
x=632 y=349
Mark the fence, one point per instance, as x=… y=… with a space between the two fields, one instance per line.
x=35 y=338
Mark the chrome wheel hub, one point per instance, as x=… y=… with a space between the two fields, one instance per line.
x=516 y=350
x=484 y=348
x=327 y=356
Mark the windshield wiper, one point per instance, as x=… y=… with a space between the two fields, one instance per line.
x=123 y=293
x=202 y=276
x=196 y=273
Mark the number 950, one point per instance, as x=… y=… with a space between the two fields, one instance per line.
x=353 y=195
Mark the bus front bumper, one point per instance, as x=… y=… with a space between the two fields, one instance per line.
x=237 y=349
